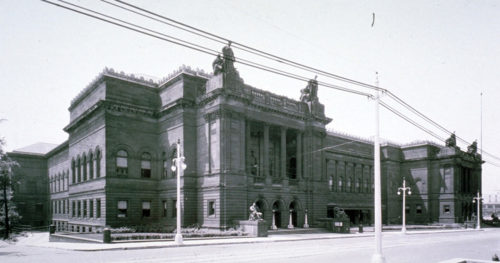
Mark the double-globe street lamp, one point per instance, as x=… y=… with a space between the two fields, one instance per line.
x=179 y=166
x=404 y=189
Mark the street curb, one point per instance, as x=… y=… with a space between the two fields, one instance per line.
x=267 y=240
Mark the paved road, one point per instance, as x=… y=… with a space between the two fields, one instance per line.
x=397 y=248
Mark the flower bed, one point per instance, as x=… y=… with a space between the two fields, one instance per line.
x=123 y=234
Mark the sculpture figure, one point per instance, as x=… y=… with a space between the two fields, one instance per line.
x=452 y=141
x=218 y=65
x=254 y=213
x=310 y=92
x=472 y=149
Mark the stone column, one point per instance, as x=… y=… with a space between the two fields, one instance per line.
x=283 y=153
x=299 y=155
x=290 y=225
x=266 y=150
x=248 y=163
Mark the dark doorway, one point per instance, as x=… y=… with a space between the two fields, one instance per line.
x=277 y=214
x=260 y=207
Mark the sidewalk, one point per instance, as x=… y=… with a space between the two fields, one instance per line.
x=42 y=240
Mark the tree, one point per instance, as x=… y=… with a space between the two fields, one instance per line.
x=7 y=212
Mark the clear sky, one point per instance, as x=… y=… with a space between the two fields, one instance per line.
x=436 y=55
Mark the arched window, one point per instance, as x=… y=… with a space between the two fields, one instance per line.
x=97 y=163
x=340 y=189
x=146 y=165
x=358 y=185
x=84 y=164
x=79 y=170
x=73 y=172
x=91 y=166
x=121 y=162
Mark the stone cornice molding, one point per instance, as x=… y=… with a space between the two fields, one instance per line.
x=83 y=116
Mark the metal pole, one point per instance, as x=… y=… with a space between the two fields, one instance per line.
x=178 y=163
x=404 y=188
x=404 y=208
x=481 y=125
x=478 y=200
x=377 y=257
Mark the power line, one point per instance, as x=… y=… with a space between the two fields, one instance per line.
x=209 y=51
x=279 y=59
x=196 y=47
x=248 y=48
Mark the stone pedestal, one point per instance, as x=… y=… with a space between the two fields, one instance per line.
x=257 y=228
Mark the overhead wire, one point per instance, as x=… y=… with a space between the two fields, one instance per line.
x=195 y=47
x=214 y=37
x=267 y=55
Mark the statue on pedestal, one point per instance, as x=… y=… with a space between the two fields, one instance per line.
x=472 y=149
x=452 y=141
x=254 y=213
x=310 y=92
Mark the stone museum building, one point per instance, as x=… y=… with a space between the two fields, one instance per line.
x=242 y=145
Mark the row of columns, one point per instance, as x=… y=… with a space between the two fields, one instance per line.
x=290 y=223
x=283 y=161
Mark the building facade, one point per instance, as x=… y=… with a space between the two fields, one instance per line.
x=242 y=145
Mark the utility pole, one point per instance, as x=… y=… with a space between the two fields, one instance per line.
x=403 y=189
x=178 y=166
x=378 y=257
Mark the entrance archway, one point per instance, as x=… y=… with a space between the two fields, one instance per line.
x=261 y=207
x=277 y=213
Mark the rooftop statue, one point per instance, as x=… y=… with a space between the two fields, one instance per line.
x=310 y=92
x=218 y=65
x=224 y=63
x=452 y=141
x=254 y=213
x=472 y=149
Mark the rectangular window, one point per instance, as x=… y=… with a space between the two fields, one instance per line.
x=174 y=210
x=211 y=208
x=84 y=208
x=146 y=169
x=164 y=206
x=91 y=208
x=419 y=209
x=122 y=208
x=79 y=211
x=407 y=209
x=73 y=208
x=446 y=209
x=98 y=208
x=146 y=209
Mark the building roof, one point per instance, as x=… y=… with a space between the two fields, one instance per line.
x=37 y=148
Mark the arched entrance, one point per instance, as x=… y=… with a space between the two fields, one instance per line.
x=277 y=213
x=261 y=207
x=294 y=206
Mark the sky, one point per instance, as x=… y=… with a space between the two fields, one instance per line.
x=438 y=56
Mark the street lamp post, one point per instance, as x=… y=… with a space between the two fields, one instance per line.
x=178 y=166
x=478 y=199
x=403 y=189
